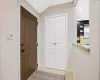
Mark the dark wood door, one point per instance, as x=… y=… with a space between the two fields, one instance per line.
x=28 y=44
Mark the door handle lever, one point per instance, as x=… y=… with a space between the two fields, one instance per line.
x=54 y=43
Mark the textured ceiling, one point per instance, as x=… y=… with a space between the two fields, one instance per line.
x=41 y=5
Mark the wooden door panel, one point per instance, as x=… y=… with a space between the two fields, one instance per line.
x=28 y=41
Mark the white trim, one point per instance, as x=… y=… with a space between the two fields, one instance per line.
x=66 y=41
x=66 y=37
x=45 y=42
x=64 y=14
x=99 y=36
x=19 y=70
x=74 y=77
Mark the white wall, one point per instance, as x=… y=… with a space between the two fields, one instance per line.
x=79 y=62
x=9 y=22
x=95 y=37
x=82 y=10
x=69 y=9
x=88 y=67
x=9 y=51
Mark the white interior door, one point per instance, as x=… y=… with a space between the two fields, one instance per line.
x=55 y=42
x=60 y=42
x=50 y=49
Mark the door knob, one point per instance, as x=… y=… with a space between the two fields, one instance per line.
x=22 y=50
x=21 y=58
x=22 y=44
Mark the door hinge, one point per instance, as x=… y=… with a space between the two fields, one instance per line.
x=37 y=44
x=37 y=65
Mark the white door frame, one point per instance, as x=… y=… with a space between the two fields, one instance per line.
x=66 y=32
